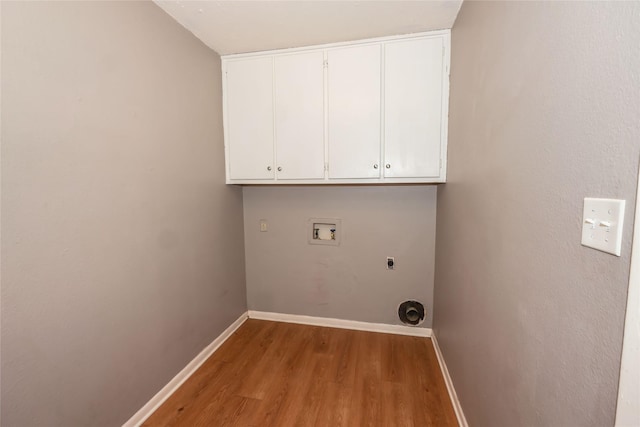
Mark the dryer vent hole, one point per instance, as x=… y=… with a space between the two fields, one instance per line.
x=411 y=313
x=413 y=316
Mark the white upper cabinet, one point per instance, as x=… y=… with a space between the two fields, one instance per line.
x=413 y=75
x=353 y=84
x=373 y=111
x=299 y=115
x=249 y=119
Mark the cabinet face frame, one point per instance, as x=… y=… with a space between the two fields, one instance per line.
x=445 y=35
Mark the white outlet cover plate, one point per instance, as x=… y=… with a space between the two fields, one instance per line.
x=602 y=221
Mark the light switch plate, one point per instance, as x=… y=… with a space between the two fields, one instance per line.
x=602 y=221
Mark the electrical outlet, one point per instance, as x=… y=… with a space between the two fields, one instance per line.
x=391 y=263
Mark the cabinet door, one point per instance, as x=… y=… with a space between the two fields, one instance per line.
x=413 y=108
x=249 y=118
x=299 y=117
x=354 y=112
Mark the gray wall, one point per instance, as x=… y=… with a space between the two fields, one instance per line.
x=122 y=252
x=545 y=111
x=287 y=275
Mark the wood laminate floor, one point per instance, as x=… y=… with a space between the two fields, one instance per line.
x=282 y=374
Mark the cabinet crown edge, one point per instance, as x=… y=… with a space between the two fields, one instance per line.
x=446 y=34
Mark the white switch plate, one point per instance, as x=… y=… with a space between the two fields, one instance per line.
x=263 y=225
x=602 y=221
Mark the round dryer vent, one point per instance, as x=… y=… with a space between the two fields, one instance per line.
x=411 y=313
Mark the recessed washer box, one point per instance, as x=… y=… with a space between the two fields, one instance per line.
x=324 y=231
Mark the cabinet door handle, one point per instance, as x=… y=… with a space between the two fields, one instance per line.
x=279 y=168
x=268 y=168
x=375 y=166
x=388 y=166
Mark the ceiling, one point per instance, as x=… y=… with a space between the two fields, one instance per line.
x=248 y=26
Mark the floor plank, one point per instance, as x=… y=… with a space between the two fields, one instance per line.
x=282 y=374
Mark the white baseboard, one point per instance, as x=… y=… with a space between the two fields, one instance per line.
x=342 y=324
x=462 y=421
x=157 y=400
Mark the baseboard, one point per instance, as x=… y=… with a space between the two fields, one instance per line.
x=462 y=421
x=342 y=324
x=157 y=400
